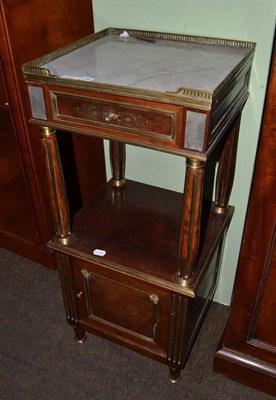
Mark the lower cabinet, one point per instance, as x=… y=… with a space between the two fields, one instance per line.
x=126 y=309
x=158 y=319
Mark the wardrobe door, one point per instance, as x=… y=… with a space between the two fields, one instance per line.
x=247 y=352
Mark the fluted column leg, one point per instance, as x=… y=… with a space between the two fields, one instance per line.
x=117 y=151
x=58 y=196
x=191 y=213
x=226 y=169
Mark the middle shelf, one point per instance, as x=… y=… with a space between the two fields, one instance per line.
x=138 y=228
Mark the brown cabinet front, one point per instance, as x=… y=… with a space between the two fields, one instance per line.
x=130 y=309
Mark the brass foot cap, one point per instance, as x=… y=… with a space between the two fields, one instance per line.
x=80 y=341
x=175 y=379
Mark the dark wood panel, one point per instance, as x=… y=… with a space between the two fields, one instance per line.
x=247 y=351
x=9 y=157
x=125 y=305
x=41 y=26
x=3 y=93
x=266 y=303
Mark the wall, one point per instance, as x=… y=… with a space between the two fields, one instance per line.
x=233 y=19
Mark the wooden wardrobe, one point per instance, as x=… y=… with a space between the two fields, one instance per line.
x=29 y=29
x=247 y=352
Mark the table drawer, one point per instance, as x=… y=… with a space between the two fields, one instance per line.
x=123 y=117
x=126 y=309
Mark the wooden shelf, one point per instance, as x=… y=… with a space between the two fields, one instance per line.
x=138 y=226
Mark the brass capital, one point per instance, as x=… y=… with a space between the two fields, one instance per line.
x=118 y=182
x=64 y=240
x=221 y=210
x=46 y=131
x=195 y=163
x=184 y=282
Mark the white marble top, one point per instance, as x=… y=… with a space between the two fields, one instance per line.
x=162 y=65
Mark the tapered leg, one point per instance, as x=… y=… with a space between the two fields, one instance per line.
x=190 y=227
x=80 y=335
x=56 y=185
x=174 y=375
x=70 y=296
x=226 y=170
x=117 y=151
x=179 y=334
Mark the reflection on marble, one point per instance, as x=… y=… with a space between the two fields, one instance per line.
x=162 y=65
x=194 y=131
x=37 y=102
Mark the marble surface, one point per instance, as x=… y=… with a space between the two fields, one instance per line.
x=160 y=65
x=37 y=102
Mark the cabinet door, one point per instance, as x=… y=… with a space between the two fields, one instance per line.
x=121 y=308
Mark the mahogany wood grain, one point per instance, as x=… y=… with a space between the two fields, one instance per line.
x=124 y=116
x=191 y=217
x=137 y=312
x=138 y=226
x=59 y=202
x=3 y=92
x=42 y=26
x=247 y=351
x=115 y=116
x=136 y=309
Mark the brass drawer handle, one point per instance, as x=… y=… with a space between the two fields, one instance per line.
x=86 y=274
x=111 y=116
x=154 y=298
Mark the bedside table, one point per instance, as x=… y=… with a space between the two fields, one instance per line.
x=138 y=264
